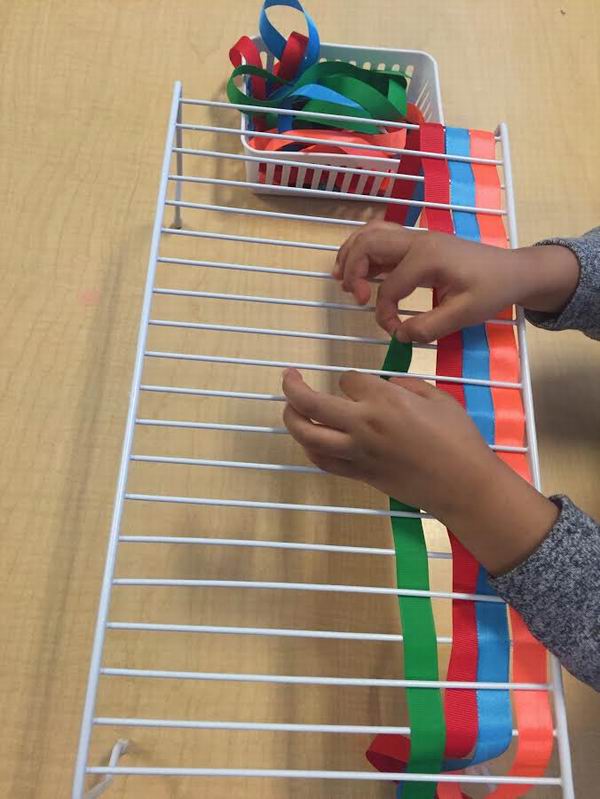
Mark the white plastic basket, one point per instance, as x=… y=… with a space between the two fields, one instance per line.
x=423 y=91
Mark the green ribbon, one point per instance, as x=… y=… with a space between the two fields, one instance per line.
x=381 y=94
x=425 y=705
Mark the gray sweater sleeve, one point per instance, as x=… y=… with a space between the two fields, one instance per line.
x=557 y=589
x=582 y=312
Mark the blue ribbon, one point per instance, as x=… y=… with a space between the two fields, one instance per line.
x=494 y=708
x=275 y=42
x=313 y=91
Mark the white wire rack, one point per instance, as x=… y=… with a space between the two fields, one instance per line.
x=167 y=547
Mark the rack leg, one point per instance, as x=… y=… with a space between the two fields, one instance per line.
x=100 y=787
x=177 y=222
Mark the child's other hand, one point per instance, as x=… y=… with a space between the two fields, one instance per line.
x=417 y=444
x=473 y=281
x=402 y=436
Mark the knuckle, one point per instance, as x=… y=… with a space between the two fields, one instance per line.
x=385 y=295
x=381 y=315
x=373 y=421
x=346 y=379
x=312 y=438
x=374 y=225
x=309 y=403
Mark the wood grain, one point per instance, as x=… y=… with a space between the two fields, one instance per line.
x=85 y=90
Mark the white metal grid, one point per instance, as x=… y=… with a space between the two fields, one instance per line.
x=170 y=196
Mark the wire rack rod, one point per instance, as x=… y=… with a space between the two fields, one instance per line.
x=389 y=174
x=286 y=679
x=396 y=151
x=250 y=395
x=262 y=544
x=251 y=726
x=320 y=367
x=264 y=158
x=334 y=306
x=248 y=503
x=311 y=114
x=333 y=588
x=267 y=632
x=208 y=234
x=301 y=114
x=366 y=776
x=207 y=392
x=256 y=465
x=227 y=209
x=297 y=190
x=268 y=467
x=269 y=331
x=271 y=270
x=237 y=428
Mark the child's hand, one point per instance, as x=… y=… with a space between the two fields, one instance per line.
x=417 y=444
x=473 y=281
x=402 y=436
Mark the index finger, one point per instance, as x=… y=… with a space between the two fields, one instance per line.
x=338 y=269
x=334 y=412
x=377 y=248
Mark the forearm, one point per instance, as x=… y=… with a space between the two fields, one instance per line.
x=500 y=518
x=543 y=557
x=550 y=276
x=580 y=310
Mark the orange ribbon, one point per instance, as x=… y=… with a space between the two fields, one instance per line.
x=532 y=708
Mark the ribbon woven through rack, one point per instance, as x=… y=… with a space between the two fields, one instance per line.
x=476 y=725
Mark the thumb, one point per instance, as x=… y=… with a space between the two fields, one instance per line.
x=442 y=320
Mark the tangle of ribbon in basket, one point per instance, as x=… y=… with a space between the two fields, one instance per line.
x=299 y=80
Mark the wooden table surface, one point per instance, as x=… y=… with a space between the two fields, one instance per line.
x=85 y=91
